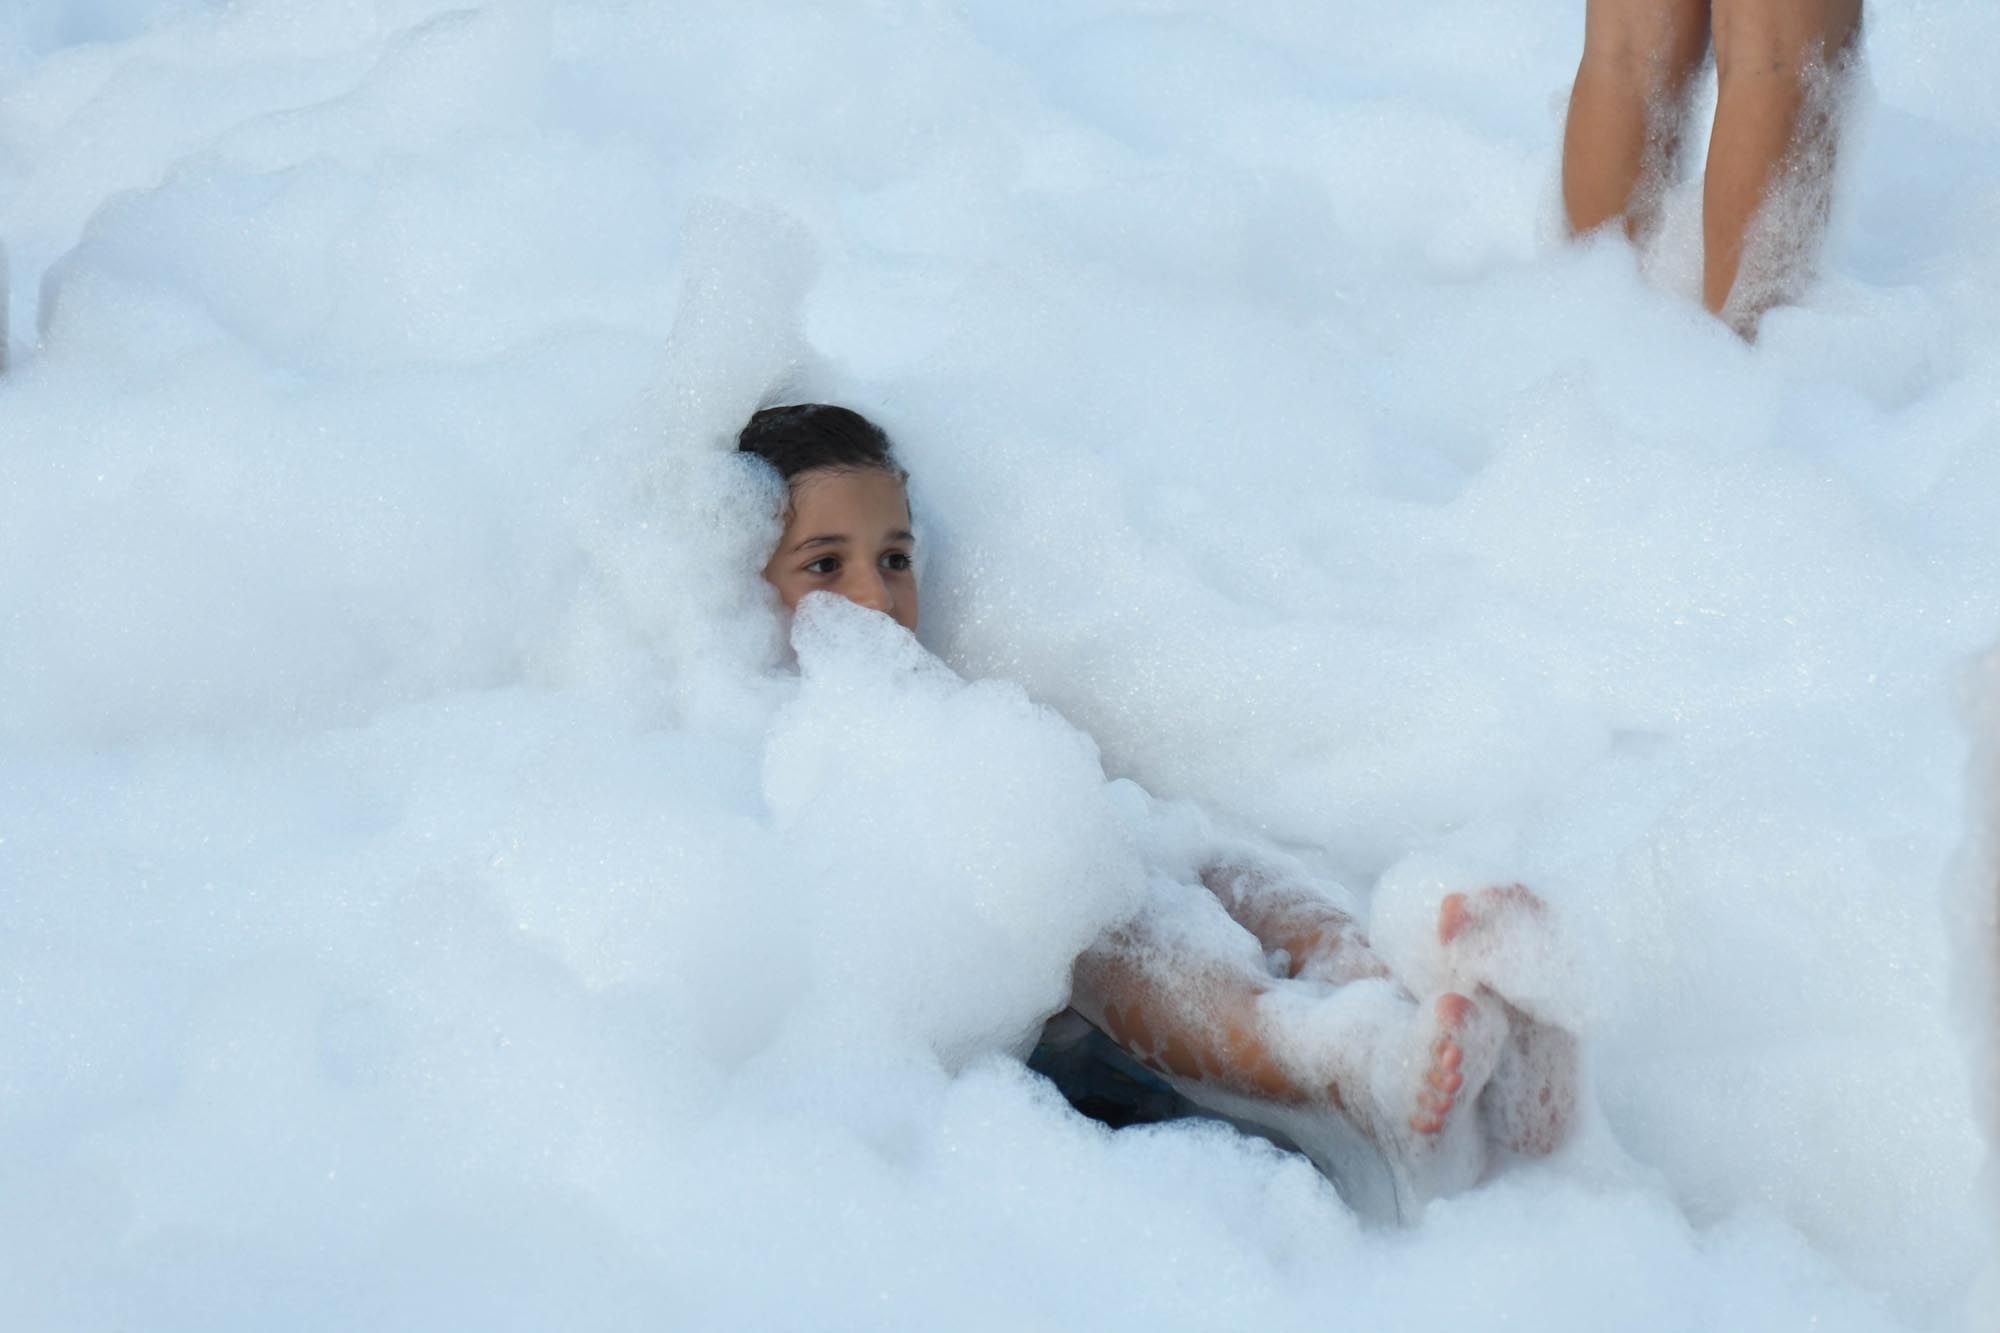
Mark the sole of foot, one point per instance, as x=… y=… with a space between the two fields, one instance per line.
x=1529 y=1105
x=1426 y=1091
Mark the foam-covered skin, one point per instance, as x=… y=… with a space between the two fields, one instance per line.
x=1363 y=1067
x=397 y=930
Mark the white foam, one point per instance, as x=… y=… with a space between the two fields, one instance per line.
x=432 y=900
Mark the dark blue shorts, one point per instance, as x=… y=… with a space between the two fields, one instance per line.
x=1097 y=1077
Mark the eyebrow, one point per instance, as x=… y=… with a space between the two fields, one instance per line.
x=842 y=539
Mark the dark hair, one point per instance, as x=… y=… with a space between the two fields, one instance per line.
x=803 y=437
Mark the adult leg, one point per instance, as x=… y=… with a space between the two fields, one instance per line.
x=1627 y=108
x=1770 y=159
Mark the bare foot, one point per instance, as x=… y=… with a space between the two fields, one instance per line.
x=1444 y=1079
x=1529 y=1105
x=1424 y=1090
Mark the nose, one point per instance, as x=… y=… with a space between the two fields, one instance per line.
x=868 y=589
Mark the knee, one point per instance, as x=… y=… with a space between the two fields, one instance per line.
x=1647 y=45
x=1626 y=56
x=1752 y=47
x=1766 y=40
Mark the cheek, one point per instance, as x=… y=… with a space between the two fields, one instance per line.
x=789 y=589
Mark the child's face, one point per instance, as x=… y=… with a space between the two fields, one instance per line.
x=848 y=532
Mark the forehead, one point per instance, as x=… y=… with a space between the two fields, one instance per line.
x=865 y=497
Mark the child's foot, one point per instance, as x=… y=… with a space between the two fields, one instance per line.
x=1424 y=1096
x=1529 y=1105
x=1444 y=1079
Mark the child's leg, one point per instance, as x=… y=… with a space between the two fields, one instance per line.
x=1529 y=1106
x=1777 y=63
x=1289 y=916
x=1402 y=1076
x=1627 y=107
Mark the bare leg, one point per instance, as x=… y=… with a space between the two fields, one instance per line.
x=1627 y=109
x=1529 y=1106
x=1530 y=1103
x=1380 y=1091
x=1290 y=918
x=1777 y=63
x=1399 y=1074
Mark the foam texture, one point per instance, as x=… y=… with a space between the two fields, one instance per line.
x=437 y=891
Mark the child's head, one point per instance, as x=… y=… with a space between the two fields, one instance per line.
x=847 y=528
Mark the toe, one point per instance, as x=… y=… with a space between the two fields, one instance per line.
x=1518 y=895
x=1445 y=1080
x=1453 y=917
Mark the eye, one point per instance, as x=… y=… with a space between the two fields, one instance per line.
x=826 y=564
x=897 y=561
